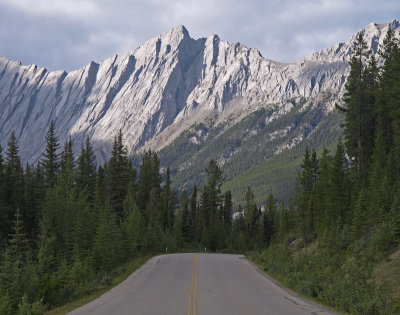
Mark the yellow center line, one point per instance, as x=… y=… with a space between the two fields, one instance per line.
x=192 y=292
x=195 y=286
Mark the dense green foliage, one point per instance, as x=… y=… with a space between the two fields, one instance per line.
x=344 y=216
x=66 y=225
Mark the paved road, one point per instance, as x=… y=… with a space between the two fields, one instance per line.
x=199 y=284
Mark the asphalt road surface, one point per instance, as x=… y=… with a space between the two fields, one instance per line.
x=199 y=284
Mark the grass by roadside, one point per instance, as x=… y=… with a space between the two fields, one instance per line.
x=351 y=281
x=122 y=273
x=388 y=272
x=280 y=280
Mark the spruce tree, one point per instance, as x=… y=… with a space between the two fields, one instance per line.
x=269 y=219
x=184 y=208
x=14 y=189
x=14 y=175
x=86 y=170
x=395 y=216
x=133 y=226
x=360 y=218
x=118 y=175
x=211 y=197
x=4 y=209
x=149 y=180
x=251 y=215
x=166 y=199
x=31 y=204
x=284 y=224
x=193 y=215
x=339 y=187
x=322 y=209
x=388 y=102
x=305 y=207
x=358 y=102
x=67 y=168
x=51 y=161
x=239 y=231
x=227 y=211
x=18 y=242
x=378 y=204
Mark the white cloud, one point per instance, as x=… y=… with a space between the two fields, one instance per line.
x=65 y=8
x=69 y=34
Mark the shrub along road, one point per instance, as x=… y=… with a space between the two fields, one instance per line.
x=199 y=284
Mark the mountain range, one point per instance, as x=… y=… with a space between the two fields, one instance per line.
x=189 y=99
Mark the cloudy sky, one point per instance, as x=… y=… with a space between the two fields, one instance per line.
x=68 y=34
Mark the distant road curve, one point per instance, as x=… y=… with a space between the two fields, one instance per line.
x=191 y=284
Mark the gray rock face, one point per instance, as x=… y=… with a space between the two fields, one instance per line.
x=156 y=91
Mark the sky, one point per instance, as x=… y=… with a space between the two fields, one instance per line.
x=68 y=34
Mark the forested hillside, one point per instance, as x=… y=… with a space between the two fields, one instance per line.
x=67 y=224
x=262 y=151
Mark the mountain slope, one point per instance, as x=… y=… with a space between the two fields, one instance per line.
x=160 y=89
x=260 y=151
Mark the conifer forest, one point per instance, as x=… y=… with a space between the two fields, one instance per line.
x=68 y=224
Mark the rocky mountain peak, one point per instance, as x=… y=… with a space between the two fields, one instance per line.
x=174 y=36
x=160 y=89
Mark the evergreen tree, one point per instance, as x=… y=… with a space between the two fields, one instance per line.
x=149 y=181
x=108 y=248
x=14 y=176
x=210 y=220
x=178 y=228
x=360 y=218
x=378 y=204
x=12 y=277
x=305 y=207
x=4 y=220
x=193 y=215
x=211 y=198
x=118 y=175
x=167 y=215
x=86 y=170
x=358 y=102
x=18 y=243
x=67 y=168
x=186 y=224
x=51 y=162
x=284 y=223
x=395 y=216
x=31 y=204
x=227 y=211
x=338 y=187
x=315 y=170
x=251 y=216
x=322 y=209
x=386 y=91
x=269 y=219
x=239 y=231
x=14 y=183
x=133 y=226
x=388 y=103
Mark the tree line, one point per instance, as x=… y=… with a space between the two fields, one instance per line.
x=344 y=217
x=344 y=195
x=66 y=222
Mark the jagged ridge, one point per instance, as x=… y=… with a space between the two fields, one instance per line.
x=160 y=89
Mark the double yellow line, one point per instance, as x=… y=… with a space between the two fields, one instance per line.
x=193 y=287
